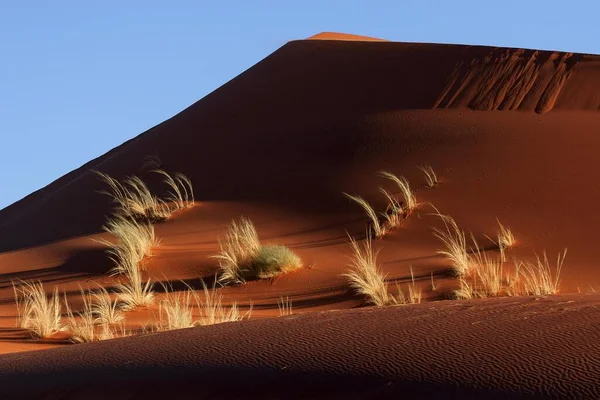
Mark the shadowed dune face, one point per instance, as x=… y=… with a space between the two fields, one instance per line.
x=300 y=119
x=511 y=134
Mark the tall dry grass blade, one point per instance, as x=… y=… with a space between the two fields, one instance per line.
x=414 y=291
x=377 y=227
x=430 y=175
x=365 y=276
x=37 y=312
x=489 y=273
x=393 y=212
x=410 y=200
x=285 y=306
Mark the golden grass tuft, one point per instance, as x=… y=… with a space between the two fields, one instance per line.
x=409 y=198
x=243 y=257
x=489 y=273
x=213 y=312
x=104 y=309
x=365 y=276
x=414 y=292
x=82 y=325
x=455 y=243
x=177 y=309
x=377 y=227
x=430 y=175
x=134 y=199
x=284 y=304
x=135 y=291
x=37 y=312
x=135 y=241
x=537 y=278
x=393 y=213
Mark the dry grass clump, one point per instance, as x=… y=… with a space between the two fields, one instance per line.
x=409 y=199
x=83 y=325
x=177 y=310
x=213 y=312
x=243 y=257
x=455 y=243
x=394 y=213
x=490 y=274
x=135 y=291
x=284 y=304
x=365 y=276
x=465 y=290
x=378 y=228
x=37 y=312
x=506 y=239
x=134 y=199
x=272 y=260
x=430 y=175
x=414 y=292
x=135 y=241
x=537 y=278
x=104 y=309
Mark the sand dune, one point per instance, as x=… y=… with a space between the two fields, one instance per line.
x=512 y=134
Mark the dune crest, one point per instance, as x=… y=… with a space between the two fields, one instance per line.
x=343 y=36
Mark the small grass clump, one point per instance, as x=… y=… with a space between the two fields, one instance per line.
x=377 y=227
x=365 y=276
x=135 y=241
x=82 y=325
x=414 y=292
x=177 y=310
x=272 y=260
x=243 y=257
x=135 y=291
x=409 y=199
x=455 y=243
x=430 y=175
x=134 y=199
x=538 y=279
x=37 y=312
x=104 y=309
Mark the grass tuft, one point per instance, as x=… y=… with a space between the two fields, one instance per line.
x=377 y=227
x=365 y=276
x=409 y=198
x=37 y=312
x=430 y=175
x=455 y=243
x=242 y=256
x=538 y=279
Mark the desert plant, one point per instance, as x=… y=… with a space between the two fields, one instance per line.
x=506 y=239
x=37 y=312
x=489 y=273
x=365 y=276
x=393 y=212
x=430 y=175
x=241 y=243
x=284 y=304
x=213 y=312
x=83 y=325
x=377 y=227
x=414 y=291
x=242 y=256
x=135 y=292
x=272 y=260
x=134 y=200
x=538 y=278
x=455 y=244
x=135 y=241
x=176 y=310
x=410 y=200
x=182 y=192
x=106 y=311
x=465 y=291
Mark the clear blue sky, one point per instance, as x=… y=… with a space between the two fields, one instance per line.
x=78 y=78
